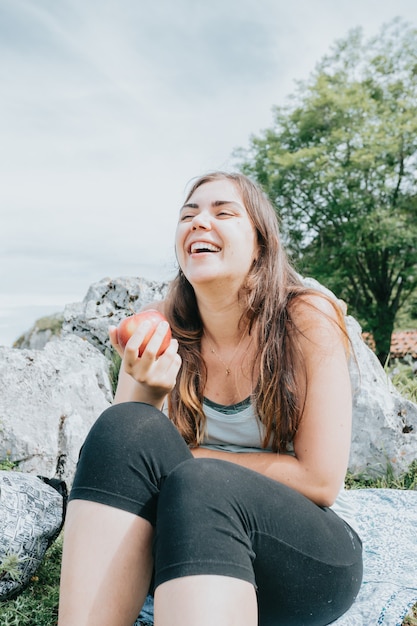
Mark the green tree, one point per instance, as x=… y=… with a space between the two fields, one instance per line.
x=340 y=165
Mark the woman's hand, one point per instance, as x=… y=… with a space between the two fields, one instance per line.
x=147 y=378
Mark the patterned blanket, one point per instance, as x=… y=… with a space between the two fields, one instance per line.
x=387 y=524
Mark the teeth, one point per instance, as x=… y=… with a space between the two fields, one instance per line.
x=198 y=246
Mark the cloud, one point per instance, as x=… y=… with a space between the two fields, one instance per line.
x=109 y=108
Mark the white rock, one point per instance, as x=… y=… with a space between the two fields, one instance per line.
x=49 y=400
x=45 y=329
x=384 y=429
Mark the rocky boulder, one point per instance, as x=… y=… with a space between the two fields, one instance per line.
x=49 y=400
x=105 y=304
x=45 y=329
x=384 y=430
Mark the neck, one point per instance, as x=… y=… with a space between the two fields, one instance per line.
x=221 y=321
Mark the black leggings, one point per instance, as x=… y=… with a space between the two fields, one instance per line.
x=216 y=517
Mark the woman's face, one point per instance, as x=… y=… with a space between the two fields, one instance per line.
x=215 y=238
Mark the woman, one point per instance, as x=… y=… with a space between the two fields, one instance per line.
x=224 y=508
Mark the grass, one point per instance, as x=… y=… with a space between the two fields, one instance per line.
x=38 y=604
x=408 y=480
x=411 y=619
x=404 y=379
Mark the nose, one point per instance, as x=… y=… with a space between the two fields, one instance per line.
x=201 y=221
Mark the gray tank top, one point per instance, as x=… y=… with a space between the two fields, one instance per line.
x=236 y=428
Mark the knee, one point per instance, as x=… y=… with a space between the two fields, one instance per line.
x=125 y=412
x=132 y=444
x=124 y=426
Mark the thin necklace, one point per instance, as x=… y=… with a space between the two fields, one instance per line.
x=213 y=351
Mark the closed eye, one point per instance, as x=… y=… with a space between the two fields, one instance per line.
x=226 y=208
x=188 y=211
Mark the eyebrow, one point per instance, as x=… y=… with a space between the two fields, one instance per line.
x=194 y=205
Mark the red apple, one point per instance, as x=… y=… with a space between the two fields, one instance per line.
x=128 y=326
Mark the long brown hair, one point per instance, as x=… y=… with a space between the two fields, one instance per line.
x=271 y=285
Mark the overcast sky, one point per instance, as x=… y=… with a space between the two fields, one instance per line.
x=109 y=107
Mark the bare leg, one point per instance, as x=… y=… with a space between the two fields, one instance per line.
x=206 y=600
x=106 y=565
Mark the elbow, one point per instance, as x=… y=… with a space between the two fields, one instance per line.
x=326 y=500
x=325 y=495
x=324 y=484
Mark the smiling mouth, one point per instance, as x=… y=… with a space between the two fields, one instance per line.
x=201 y=246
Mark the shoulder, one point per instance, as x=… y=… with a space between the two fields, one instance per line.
x=313 y=305
x=319 y=319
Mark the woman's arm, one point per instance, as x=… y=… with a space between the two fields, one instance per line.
x=322 y=442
